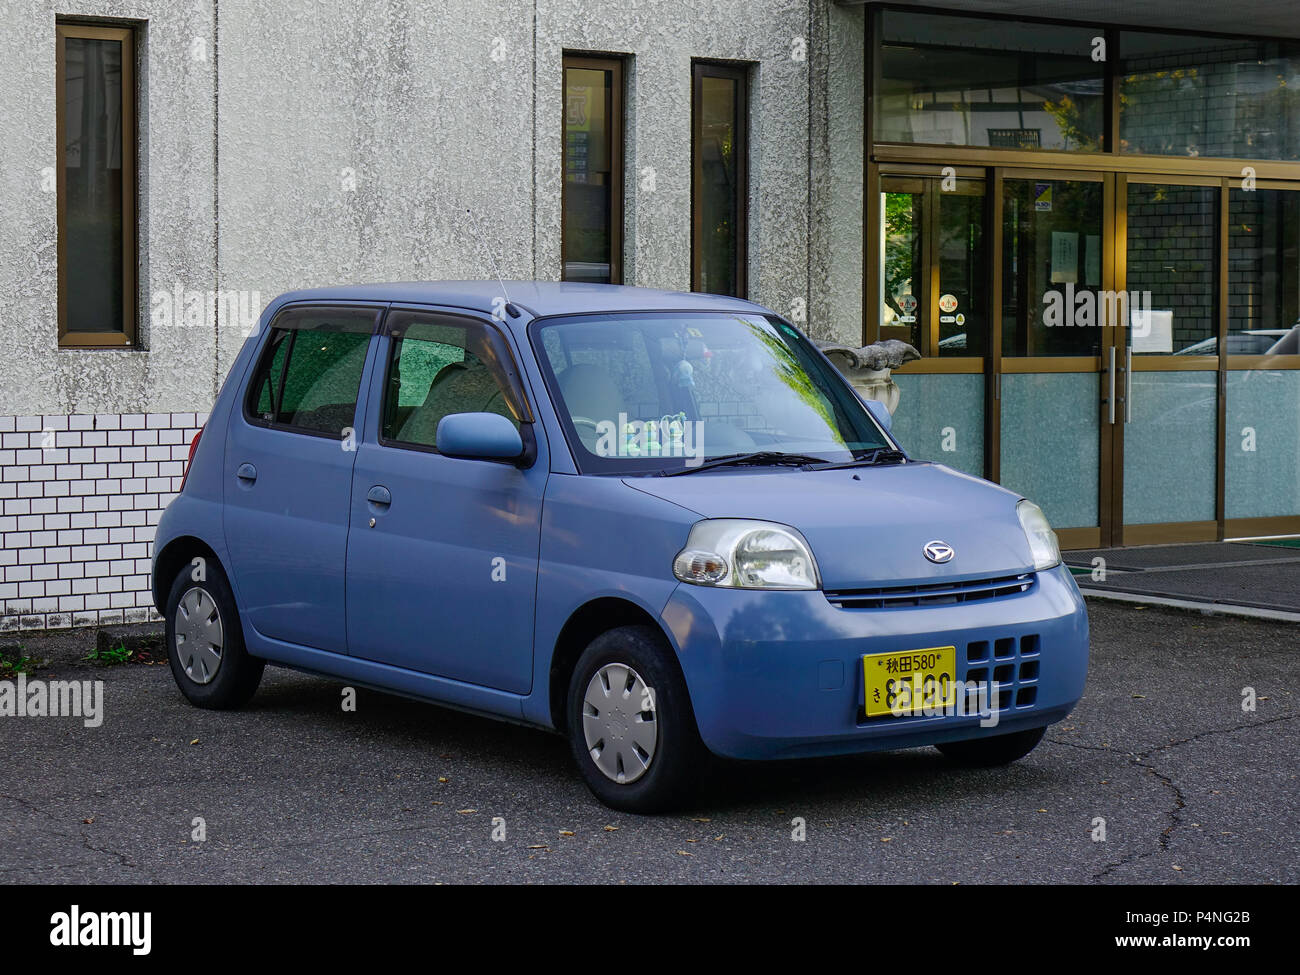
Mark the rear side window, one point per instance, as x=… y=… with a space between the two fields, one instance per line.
x=310 y=372
x=439 y=365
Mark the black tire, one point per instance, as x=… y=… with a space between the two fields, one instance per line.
x=677 y=762
x=989 y=752
x=234 y=680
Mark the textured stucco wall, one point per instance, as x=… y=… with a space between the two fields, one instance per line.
x=296 y=144
x=836 y=172
x=175 y=220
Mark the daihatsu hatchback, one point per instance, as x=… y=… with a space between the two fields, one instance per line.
x=661 y=524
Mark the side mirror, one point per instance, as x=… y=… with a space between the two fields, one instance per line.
x=487 y=436
x=878 y=410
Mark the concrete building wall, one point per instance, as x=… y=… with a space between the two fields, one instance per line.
x=304 y=143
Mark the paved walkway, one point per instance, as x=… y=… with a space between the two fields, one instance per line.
x=1255 y=575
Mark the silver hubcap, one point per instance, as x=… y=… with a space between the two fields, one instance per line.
x=618 y=721
x=200 y=638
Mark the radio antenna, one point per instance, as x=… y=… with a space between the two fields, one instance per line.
x=510 y=307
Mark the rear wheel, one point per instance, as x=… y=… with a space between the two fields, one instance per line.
x=205 y=645
x=997 y=750
x=630 y=722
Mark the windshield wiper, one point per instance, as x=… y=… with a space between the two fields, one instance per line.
x=755 y=458
x=881 y=455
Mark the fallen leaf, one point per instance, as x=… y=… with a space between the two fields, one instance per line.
x=611 y=829
x=567 y=832
x=466 y=812
x=539 y=846
x=705 y=819
x=683 y=853
x=194 y=742
x=886 y=839
x=89 y=821
x=1178 y=868
x=443 y=778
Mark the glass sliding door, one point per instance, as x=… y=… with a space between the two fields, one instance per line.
x=1170 y=434
x=933 y=286
x=1053 y=378
x=1262 y=389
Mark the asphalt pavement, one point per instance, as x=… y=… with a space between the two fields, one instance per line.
x=1160 y=758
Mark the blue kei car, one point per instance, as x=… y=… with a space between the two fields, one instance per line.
x=661 y=524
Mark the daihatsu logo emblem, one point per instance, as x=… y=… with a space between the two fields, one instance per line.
x=938 y=551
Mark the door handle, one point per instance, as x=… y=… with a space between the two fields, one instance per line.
x=246 y=472
x=379 y=496
x=1110 y=397
x=1128 y=384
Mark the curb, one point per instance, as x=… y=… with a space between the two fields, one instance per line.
x=1208 y=609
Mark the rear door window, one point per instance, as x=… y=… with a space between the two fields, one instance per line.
x=310 y=371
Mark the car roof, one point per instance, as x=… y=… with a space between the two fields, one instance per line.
x=540 y=298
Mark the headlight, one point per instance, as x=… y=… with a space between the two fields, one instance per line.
x=742 y=554
x=1042 y=540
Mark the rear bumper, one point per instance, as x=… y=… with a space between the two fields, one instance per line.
x=779 y=674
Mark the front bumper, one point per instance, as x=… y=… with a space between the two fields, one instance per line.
x=779 y=675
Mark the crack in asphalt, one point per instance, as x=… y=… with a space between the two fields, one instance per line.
x=80 y=836
x=1139 y=760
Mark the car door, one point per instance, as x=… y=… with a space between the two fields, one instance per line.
x=443 y=552
x=288 y=473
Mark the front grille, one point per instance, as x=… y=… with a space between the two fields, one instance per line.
x=1010 y=664
x=938 y=594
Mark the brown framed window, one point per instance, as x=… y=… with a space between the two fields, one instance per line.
x=719 y=178
x=96 y=174
x=591 y=199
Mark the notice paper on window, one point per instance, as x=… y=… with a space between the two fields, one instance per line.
x=1152 y=330
x=1065 y=257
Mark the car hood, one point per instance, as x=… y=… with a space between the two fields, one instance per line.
x=867 y=526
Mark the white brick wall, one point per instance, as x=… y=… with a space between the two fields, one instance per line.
x=80 y=497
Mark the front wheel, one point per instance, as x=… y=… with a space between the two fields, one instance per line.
x=205 y=645
x=997 y=750
x=630 y=723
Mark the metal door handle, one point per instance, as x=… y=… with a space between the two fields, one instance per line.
x=1128 y=384
x=246 y=472
x=379 y=496
x=1110 y=398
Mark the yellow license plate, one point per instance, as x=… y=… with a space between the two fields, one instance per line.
x=909 y=682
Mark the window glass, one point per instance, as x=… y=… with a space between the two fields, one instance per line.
x=1052 y=298
x=1263 y=272
x=591 y=202
x=440 y=367
x=268 y=388
x=650 y=393
x=1183 y=95
x=720 y=186
x=1173 y=250
x=310 y=373
x=902 y=262
x=971 y=81
x=96 y=185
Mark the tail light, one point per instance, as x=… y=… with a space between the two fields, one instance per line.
x=194 y=445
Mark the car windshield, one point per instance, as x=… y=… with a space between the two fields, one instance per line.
x=647 y=393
